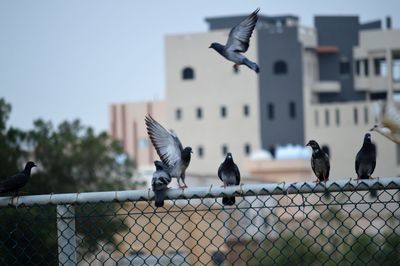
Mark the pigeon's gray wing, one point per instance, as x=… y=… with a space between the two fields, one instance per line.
x=166 y=143
x=357 y=164
x=237 y=174
x=239 y=37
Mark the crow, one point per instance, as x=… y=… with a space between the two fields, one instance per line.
x=16 y=182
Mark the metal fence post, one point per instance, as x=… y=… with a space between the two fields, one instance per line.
x=66 y=234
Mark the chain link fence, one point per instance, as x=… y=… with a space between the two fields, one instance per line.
x=339 y=223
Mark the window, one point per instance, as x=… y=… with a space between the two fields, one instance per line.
x=358 y=63
x=187 y=73
x=337 y=115
x=224 y=149
x=270 y=111
x=247 y=149
x=355 y=115
x=280 y=67
x=178 y=114
x=380 y=67
x=246 y=110
x=199 y=113
x=316 y=118
x=200 y=151
x=292 y=110
x=327 y=117
x=366 y=118
x=366 y=67
x=223 y=111
x=344 y=67
x=396 y=67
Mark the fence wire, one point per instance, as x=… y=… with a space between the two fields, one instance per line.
x=302 y=224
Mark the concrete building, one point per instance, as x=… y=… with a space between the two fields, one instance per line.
x=315 y=83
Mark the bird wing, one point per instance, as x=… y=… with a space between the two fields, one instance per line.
x=237 y=174
x=391 y=117
x=12 y=183
x=373 y=155
x=328 y=165
x=239 y=36
x=166 y=143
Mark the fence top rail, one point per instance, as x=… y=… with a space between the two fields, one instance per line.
x=344 y=185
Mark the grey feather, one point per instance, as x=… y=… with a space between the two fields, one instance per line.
x=366 y=160
x=229 y=173
x=159 y=183
x=238 y=42
x=169 y=148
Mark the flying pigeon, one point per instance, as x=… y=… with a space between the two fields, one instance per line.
x=229 y=173
x=169 y=148
x=366 y=160
x=16 y=182
x=319 y=162
x=159 y=183
x=389 y=117
x=238 y=43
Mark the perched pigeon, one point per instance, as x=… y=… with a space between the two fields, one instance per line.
x=319 y=162
x=238 y=43
x=366 y=160
x=159 y=183
x=16 y=182
x=229 y=173
x=169 y=148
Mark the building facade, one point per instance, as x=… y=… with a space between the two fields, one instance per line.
x=317 y=83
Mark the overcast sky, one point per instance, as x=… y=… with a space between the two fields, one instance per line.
x=70 y=59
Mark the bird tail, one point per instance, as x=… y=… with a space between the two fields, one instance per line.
x=229 y=201
x=159 y=196
x=373 y=193
x=251 y=65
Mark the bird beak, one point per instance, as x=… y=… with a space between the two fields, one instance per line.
x=308 y=144
x=34 y=165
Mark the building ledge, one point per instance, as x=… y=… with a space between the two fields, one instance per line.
x=326 y=86
x=326 y=49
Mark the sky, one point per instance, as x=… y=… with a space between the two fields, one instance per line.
x=62 y=60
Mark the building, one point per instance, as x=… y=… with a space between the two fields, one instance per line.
x=315 y=83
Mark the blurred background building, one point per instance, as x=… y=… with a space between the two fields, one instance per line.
x=323 y=83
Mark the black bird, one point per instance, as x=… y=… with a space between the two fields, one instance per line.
x=169 y=148
x=238 y=43
x=16 y=182
x=366 y=160
x=159 y=183
x=229 y=173
x=319 y=162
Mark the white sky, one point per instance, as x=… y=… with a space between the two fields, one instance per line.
x=70 y=59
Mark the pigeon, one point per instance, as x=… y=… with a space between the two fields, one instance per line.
x=389 y=117
x=366 y=160
x=159 y=183
x=16 y=182
x=319 y=162
x=238 y=43
x=169 y=148
x=229 y=173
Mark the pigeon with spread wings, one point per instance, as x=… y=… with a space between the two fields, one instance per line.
x=238 y=43
x=170 y=149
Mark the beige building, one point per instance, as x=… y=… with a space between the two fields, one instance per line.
x=331 y=88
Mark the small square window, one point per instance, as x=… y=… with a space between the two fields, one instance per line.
x=270 y=111
x=246 y=110
x=224 y=149
x=199 y=113
x=247 y=149
x=223 y=111
x=178 y=114
x=344 y=68
x=200 y=152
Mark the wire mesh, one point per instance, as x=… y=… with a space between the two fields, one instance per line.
x=339 y=226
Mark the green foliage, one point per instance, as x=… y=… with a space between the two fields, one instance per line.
x=70 y=158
